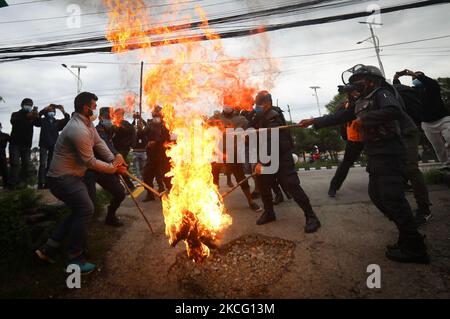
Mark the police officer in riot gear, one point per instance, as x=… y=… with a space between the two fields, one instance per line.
x=266 y=116
x=379 y=112
x=230 y=119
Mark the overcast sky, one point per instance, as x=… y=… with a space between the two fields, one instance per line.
x=47 y=81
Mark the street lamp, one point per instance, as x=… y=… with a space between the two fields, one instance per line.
x=375 y=41
x=315 y=88
x=78 y=77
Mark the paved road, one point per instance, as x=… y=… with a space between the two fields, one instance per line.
x=329 y=264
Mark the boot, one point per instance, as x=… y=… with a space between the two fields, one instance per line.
x=112 y=220
x=265 y=218
x=332 y=192
x=412 y=251
x=312 y=223
x=278 y=198
x=423 y=215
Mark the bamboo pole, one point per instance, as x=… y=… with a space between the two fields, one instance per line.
x=136 y=203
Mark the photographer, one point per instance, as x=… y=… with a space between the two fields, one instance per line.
x=20 y=143
x=50 y=128
x=436 y=117
x=140 y=145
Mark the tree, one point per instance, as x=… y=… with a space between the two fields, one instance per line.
x=335 y=103
x=445 y=90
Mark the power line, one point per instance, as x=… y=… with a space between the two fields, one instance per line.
x=65 y=48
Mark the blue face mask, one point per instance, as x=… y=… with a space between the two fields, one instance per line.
x=259 y=109
x=107 y=123
x=28 y=108
x=417 y=83
x=51 y=114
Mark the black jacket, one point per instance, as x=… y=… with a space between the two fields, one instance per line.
x=434 y=108
x=379 y=114
x=273 y=117
x=124 y=137
x=22 y=128
x=106 y=134
x=140 y=143
x=50 y=129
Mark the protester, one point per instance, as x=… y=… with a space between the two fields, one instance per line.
x=20 y=143
x=50 y=128
x=139 y=147
x=73 y=155
x=436 y=117
x=109 y=182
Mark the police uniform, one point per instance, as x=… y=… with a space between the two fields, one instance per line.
x=234 y=168
x=157 y=161
x=286 y=174
x=379 y=113
x=353 y=149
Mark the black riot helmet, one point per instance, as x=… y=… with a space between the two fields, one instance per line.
x=361 y=70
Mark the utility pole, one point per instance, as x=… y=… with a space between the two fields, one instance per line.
x=140 y=90
x=289 y=111
x=315 y=88
x=375 y=41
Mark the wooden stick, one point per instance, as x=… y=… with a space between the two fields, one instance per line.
x=136 y=203
x=149 y=188
x=236 y=186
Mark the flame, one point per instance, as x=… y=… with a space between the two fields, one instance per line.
x=186 y=77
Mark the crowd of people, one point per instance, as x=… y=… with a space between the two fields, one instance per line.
x=381 y=118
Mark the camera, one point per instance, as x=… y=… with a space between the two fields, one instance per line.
x=402 y=73
x=349 y=88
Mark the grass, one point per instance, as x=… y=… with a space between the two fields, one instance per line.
x=22 y=274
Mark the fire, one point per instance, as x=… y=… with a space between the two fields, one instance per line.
x=186 y=77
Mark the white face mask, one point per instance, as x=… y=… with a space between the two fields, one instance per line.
x=94 y=115
x=157 y=119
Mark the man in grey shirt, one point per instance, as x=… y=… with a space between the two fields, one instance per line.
x=73 y=155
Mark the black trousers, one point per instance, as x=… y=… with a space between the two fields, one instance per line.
x=387 y=175
x=110 y=183
x=352 y=152
x=236 y=169
x=288 y=178
x=153 y=169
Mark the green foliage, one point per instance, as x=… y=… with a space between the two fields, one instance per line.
x=335 y=103
x=435 y=176
x=445 y=90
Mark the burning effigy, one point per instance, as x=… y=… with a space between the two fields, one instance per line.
x=186 y=77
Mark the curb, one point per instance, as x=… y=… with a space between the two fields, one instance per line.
x=431 y=163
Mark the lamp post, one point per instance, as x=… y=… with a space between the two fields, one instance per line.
x=78 y=77
x=315 y=88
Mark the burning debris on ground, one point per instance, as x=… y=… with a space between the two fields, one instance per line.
x=242 y=268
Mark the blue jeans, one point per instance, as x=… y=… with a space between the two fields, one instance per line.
x=45 y=158
x=19 y=157
x=73 y=192
x=139 y=160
